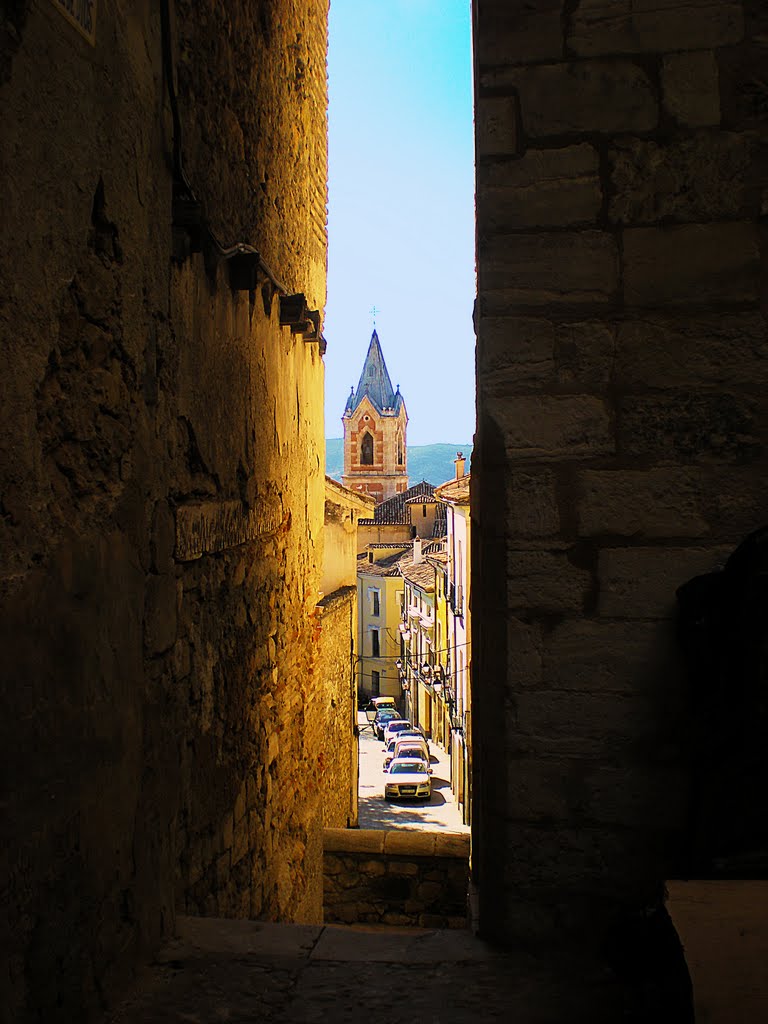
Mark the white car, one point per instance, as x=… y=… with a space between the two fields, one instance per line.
x=408 y=777
x=394 y=726
x=406 y=744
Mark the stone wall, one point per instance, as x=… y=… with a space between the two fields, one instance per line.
x=622 y=423
x=161 y=448
x=411 y=878
x=332 y=708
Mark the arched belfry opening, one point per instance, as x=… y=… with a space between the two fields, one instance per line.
x=366 y=449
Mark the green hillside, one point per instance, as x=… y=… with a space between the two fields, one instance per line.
x=430 y=462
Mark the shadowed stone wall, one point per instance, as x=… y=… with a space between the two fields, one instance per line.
x=161 y=461
x=399 y=878
x=622 y=416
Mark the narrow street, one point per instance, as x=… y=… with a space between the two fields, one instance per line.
x=440 y=812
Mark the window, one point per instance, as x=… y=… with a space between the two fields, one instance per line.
x=366 y=450
x=424 y=511
x=375 y=651
x=375 y=602
x=375 y=684
x=399 y=450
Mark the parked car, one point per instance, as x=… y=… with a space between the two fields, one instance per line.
x=382 y=718
x=412 y=734
x=405 y=744
x=382 y=702
x=395 y=726
x=408 y=777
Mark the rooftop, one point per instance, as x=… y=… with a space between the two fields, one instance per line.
x=395 y=511
x=455 y=492
x=386 y=566
x=421 y=574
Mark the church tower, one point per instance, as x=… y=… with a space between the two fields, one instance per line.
x=375 y=421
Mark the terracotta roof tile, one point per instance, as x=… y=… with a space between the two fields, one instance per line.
x=455 y=492
x=394 y=511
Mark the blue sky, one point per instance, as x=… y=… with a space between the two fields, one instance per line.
x=401 y=208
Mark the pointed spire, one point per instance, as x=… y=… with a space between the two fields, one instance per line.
x=374 y=380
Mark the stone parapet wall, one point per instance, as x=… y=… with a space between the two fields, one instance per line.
x=405 y=878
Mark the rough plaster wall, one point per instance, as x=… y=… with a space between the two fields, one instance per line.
x=153 y=707
x=622 y=369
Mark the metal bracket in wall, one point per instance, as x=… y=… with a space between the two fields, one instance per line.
x=244 y=269
x=294 y=314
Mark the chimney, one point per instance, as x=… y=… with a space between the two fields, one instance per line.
x=459 y=463
x=416 y=550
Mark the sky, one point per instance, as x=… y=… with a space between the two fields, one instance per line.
x=401 y=209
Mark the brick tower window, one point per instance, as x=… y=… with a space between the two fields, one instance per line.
x=366 y=450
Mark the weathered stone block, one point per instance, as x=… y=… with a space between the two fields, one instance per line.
x=524 y=654
x=372 y=867
x=543 y=188
x=584 y=354
x=576 y=723
x=452 y=845
x=532 y=505
x=546 y=582
x=409 y=843
x=570 y=427
x=653 y=503
x=622 y=657
x=160 y=617
x=636 y=796
x=241 y=843
x=393 y=918
x=653 y=26
x=585 y=96
x=699 y=177
x=671 y=352
x=691 y=89
x=163 y=538
x=332 y=865
x=223 y=869
x=227 y=832
x=514 y=351
x=692 y=264
x=406 y=868
x=571 y=268
x=353 y=840
x=535 y=29
x=689 y=425
x=537 y=789
x=640 y=583
x=497 y=127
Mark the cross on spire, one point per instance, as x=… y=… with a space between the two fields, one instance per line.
x=373 y=312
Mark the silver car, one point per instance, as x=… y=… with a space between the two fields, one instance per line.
x=408 y=777
x=405 y=744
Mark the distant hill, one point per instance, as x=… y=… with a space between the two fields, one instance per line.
x=430 y=462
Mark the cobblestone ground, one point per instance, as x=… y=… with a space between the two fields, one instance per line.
x=244 y=972
x=441 y=812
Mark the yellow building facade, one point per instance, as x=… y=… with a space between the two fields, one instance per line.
x=379 y=606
